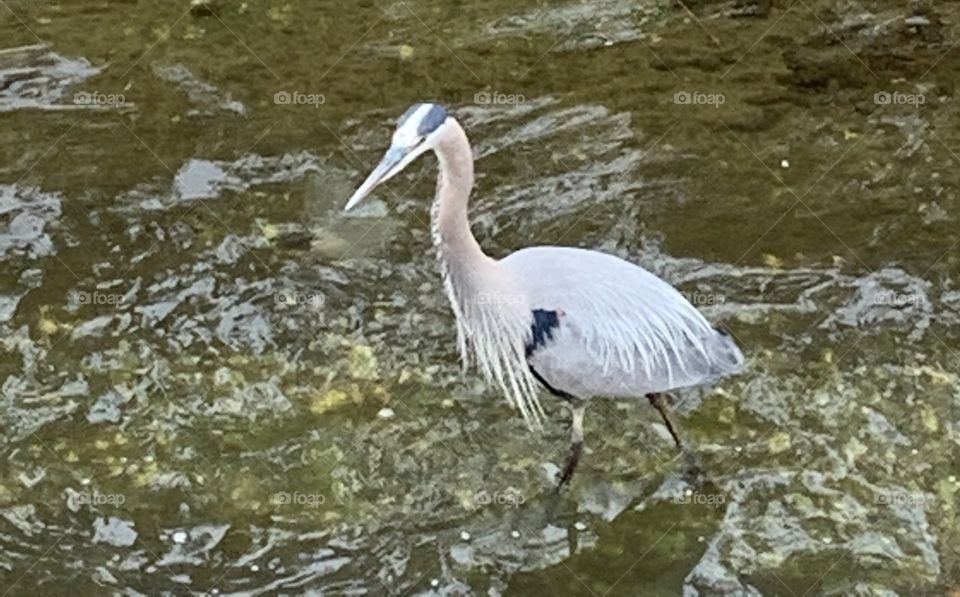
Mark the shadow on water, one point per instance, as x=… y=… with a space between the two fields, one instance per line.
x=213 y=381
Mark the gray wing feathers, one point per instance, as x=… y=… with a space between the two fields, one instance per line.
x=632 y=323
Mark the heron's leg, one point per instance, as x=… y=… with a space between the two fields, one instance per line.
x=658 y=403
x=577 y=407
x=576 y=443
x=694 y=472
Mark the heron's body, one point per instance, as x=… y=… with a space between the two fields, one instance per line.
x=582 y=323
x=622 y=331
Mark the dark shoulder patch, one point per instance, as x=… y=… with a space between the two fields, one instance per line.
x=544 y=322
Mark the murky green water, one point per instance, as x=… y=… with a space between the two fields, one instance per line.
x=215 y=382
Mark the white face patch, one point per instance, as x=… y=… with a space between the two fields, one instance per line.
x=408 y=133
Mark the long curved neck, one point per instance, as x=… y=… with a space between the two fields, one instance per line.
x=451 y=228
x=493 y=318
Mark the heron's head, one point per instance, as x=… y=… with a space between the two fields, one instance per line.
x=417 y=132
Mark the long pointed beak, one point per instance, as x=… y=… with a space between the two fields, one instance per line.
x=384 y=170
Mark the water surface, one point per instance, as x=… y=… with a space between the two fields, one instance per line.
x=215 y=382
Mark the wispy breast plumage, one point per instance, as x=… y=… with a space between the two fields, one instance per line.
x=493 y=330
x=622 y=331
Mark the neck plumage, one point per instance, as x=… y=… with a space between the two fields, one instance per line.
x=451 y=228
x=493 y=320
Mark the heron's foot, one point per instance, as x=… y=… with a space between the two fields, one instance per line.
x=693 y=470
x=573 y=458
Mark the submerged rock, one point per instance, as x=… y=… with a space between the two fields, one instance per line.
x=107 y=408
x=362 y=363
x=114 y=531
x=36 y=77
x=329 y=400
x=198 y=91
x=25 y=215
x=193 y=546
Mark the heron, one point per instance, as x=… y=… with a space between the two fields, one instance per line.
x=579 y=323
